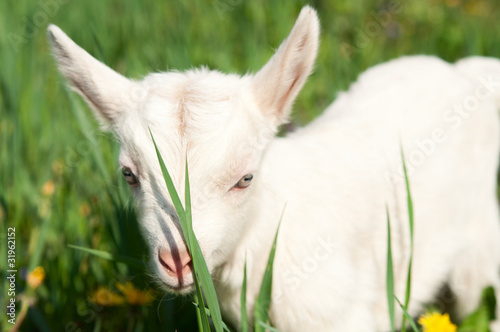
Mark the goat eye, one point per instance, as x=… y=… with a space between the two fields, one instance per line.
x=129 y=176
x=244 y=181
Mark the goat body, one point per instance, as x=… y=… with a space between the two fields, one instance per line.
x=332 y=180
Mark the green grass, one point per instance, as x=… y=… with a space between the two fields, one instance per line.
x=409 y=201
x=263 y=301
x=201 y=274
x=48 y=134
x=389 y=285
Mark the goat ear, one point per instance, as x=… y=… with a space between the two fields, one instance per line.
x=102 y=88
x=277 y=84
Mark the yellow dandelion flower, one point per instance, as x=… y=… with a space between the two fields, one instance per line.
x=35 y=277
x=135 y=296
x=48 y=188
x=105 y=297
x=436 y=322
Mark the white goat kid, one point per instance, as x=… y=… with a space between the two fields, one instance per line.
x=335 y=177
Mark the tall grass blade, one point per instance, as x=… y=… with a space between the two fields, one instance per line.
x=198 y=313
x=390 y=274
x=268 y=327
x=171 y=190
x=407 y=315
x=223 y=324
x=206 y=283
x=199 y=265
x=264 y=299
x=112 y=257
x=410 y=264
x=187 y=203
x=243 y=301
x=200 y=269
x=201 y=314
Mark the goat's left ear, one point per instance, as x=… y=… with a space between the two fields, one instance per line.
x=277 y=84
x=105 y=90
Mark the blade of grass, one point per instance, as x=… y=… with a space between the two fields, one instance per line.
x=201 y=314
x=112 y=257
x=264 y=299
x=223 y=324
x=199 y=264
x=200 y=269
x=410 y=263
x=390 y=274
x=267 y=327
x=187 y=203
x=243 y=301
x=407 y=315
x=198 y=314
x=171 y=190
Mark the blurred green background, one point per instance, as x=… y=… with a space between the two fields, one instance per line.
x=59 y=181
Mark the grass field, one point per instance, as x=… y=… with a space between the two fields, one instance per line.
x=59 y=181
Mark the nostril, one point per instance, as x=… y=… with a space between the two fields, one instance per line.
x=188 y=267
x=175 y=263
x=186 y=260
x=170 y=268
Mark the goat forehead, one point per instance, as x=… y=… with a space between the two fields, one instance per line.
x=195 y=115
x=195 y=86
x=198 y=100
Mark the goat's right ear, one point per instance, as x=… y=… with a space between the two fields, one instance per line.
x=104 y=89
x=277 y=84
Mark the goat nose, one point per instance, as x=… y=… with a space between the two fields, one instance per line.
x=176 y=263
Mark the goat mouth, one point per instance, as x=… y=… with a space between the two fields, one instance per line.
x=178 y=289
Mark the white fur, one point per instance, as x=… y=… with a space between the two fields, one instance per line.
x=335 y=177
